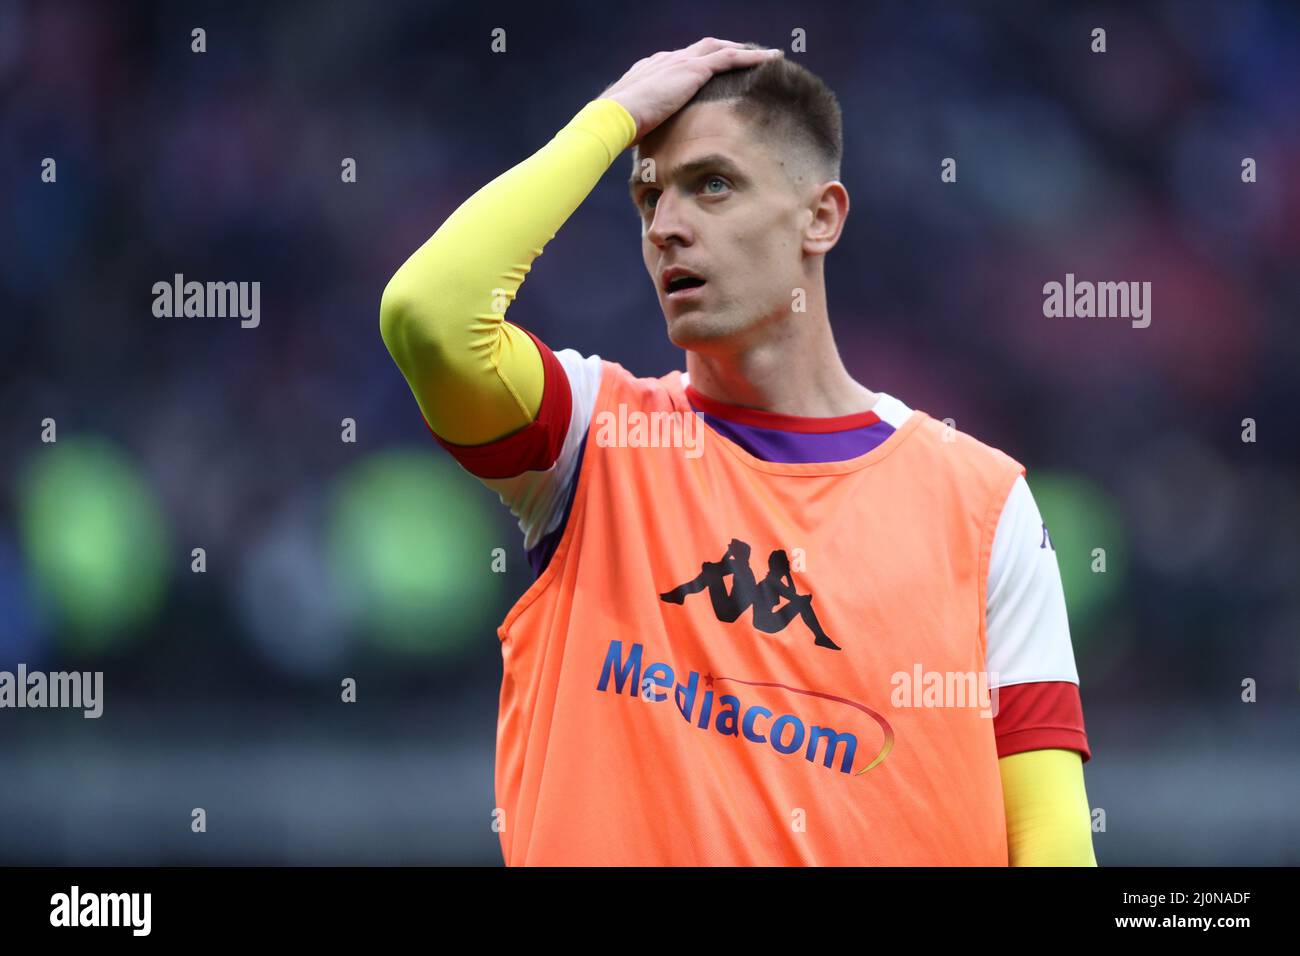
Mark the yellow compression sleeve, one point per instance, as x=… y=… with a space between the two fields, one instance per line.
x=476 y=377
x=1049 y=822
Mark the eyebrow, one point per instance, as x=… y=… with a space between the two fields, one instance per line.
x=715 y=161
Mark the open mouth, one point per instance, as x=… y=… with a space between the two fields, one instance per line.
x=683 y=286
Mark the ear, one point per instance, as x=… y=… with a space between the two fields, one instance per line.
x=829 y=207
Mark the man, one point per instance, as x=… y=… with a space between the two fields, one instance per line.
x=661 y=704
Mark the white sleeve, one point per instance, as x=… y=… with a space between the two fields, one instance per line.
x=1027 y=627
x=538 y=498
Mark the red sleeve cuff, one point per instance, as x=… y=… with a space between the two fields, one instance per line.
x=1038 y=716
x=536 y=446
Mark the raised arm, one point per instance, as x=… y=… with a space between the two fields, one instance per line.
x=476 y=377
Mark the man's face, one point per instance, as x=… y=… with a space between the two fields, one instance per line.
x=724 y=205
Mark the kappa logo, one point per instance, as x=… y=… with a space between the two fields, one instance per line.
x=763 y=596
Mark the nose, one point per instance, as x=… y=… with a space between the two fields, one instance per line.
x=668 y=222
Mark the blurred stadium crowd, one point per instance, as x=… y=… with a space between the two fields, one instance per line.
x=370 y=559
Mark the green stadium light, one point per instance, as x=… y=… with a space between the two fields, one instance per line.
x=1085 y=527
x=93 y=540
x=410 y=543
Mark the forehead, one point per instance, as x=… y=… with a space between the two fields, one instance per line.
x=699 y=130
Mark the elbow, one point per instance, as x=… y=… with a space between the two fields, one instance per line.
x=407 y=328
x=394 y=314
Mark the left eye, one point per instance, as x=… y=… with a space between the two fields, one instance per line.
x=715 y=179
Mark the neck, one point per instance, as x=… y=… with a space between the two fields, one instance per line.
x=796 y=370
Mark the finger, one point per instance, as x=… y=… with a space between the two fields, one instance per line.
x=730 y=58
x=708 y=45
